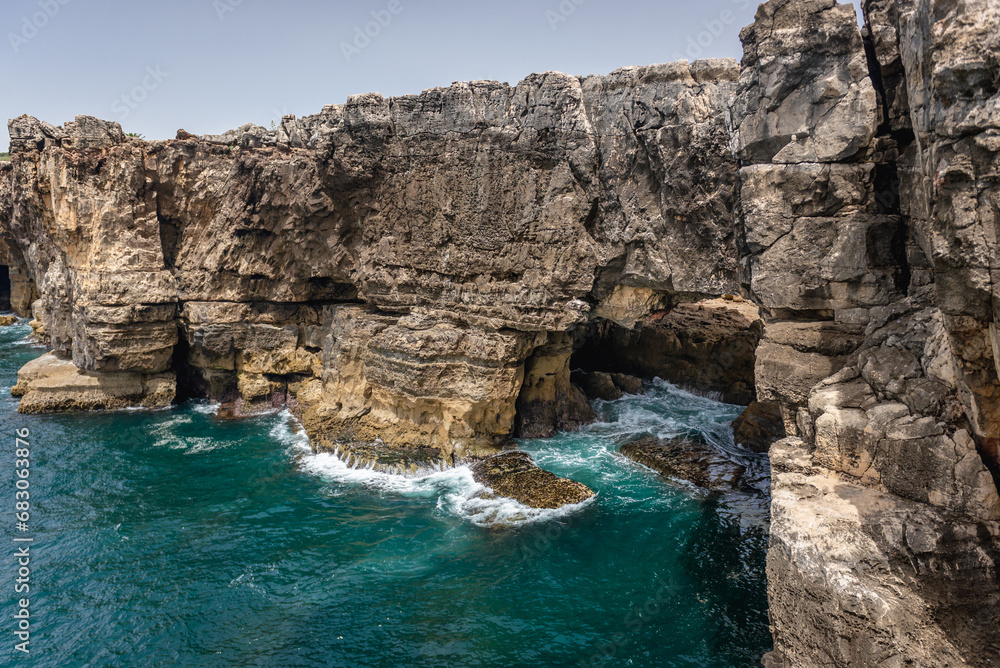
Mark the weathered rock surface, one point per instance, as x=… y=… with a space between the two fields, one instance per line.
x=859 y=577
x=417 y=276
x=476 y=224
x=548 y=401
x=19 y=293
x=685 y=459
x=50 y=384
x=514 y=475
x=867 y=219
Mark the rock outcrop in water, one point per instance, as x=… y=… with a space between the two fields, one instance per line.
x=417 y=277
x=685 y=459
x=514 y=475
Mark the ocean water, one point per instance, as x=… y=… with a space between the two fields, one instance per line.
x=170 y=538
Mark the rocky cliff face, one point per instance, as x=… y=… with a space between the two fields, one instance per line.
x=417 y=277
x=393 y=268
x=868 y=193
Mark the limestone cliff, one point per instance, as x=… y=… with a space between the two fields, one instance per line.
x=389 y=267
x=417 y=277
x=868 y=199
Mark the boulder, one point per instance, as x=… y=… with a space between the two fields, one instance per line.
x=759 y=426
x=597 y=385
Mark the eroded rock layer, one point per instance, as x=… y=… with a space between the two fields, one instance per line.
x=416 y=277
x=405 y=269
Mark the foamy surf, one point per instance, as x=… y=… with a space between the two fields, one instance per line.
x=453 y=490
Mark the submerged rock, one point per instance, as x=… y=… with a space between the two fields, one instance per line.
x=685 y=459
x=759 y=426
x=514 y=475
x=395 y=460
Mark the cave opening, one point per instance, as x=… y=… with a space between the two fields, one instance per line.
x=707 y=347
x=5 y=304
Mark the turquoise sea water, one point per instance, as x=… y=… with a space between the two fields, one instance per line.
x=169 y=538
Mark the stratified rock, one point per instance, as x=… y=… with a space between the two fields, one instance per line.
x=548 y=402
x=49 y=384
x=415 y=381
x=685 y=459
x=759 y=426
x=415 y=270
x=514 y=475
x=395 y=261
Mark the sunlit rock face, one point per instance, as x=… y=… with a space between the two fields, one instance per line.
x=868 y=192
x=406 y=269
x=417 y=277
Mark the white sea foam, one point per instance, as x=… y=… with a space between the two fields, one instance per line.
x=167 y=437
x=453 y=490
x=205 y=408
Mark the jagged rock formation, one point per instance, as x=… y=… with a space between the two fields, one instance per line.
x=868 y=210
x=402 y=269
x=50 y=384
x=416 y=276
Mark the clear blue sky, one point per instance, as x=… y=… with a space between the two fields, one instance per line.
x=210 y=65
